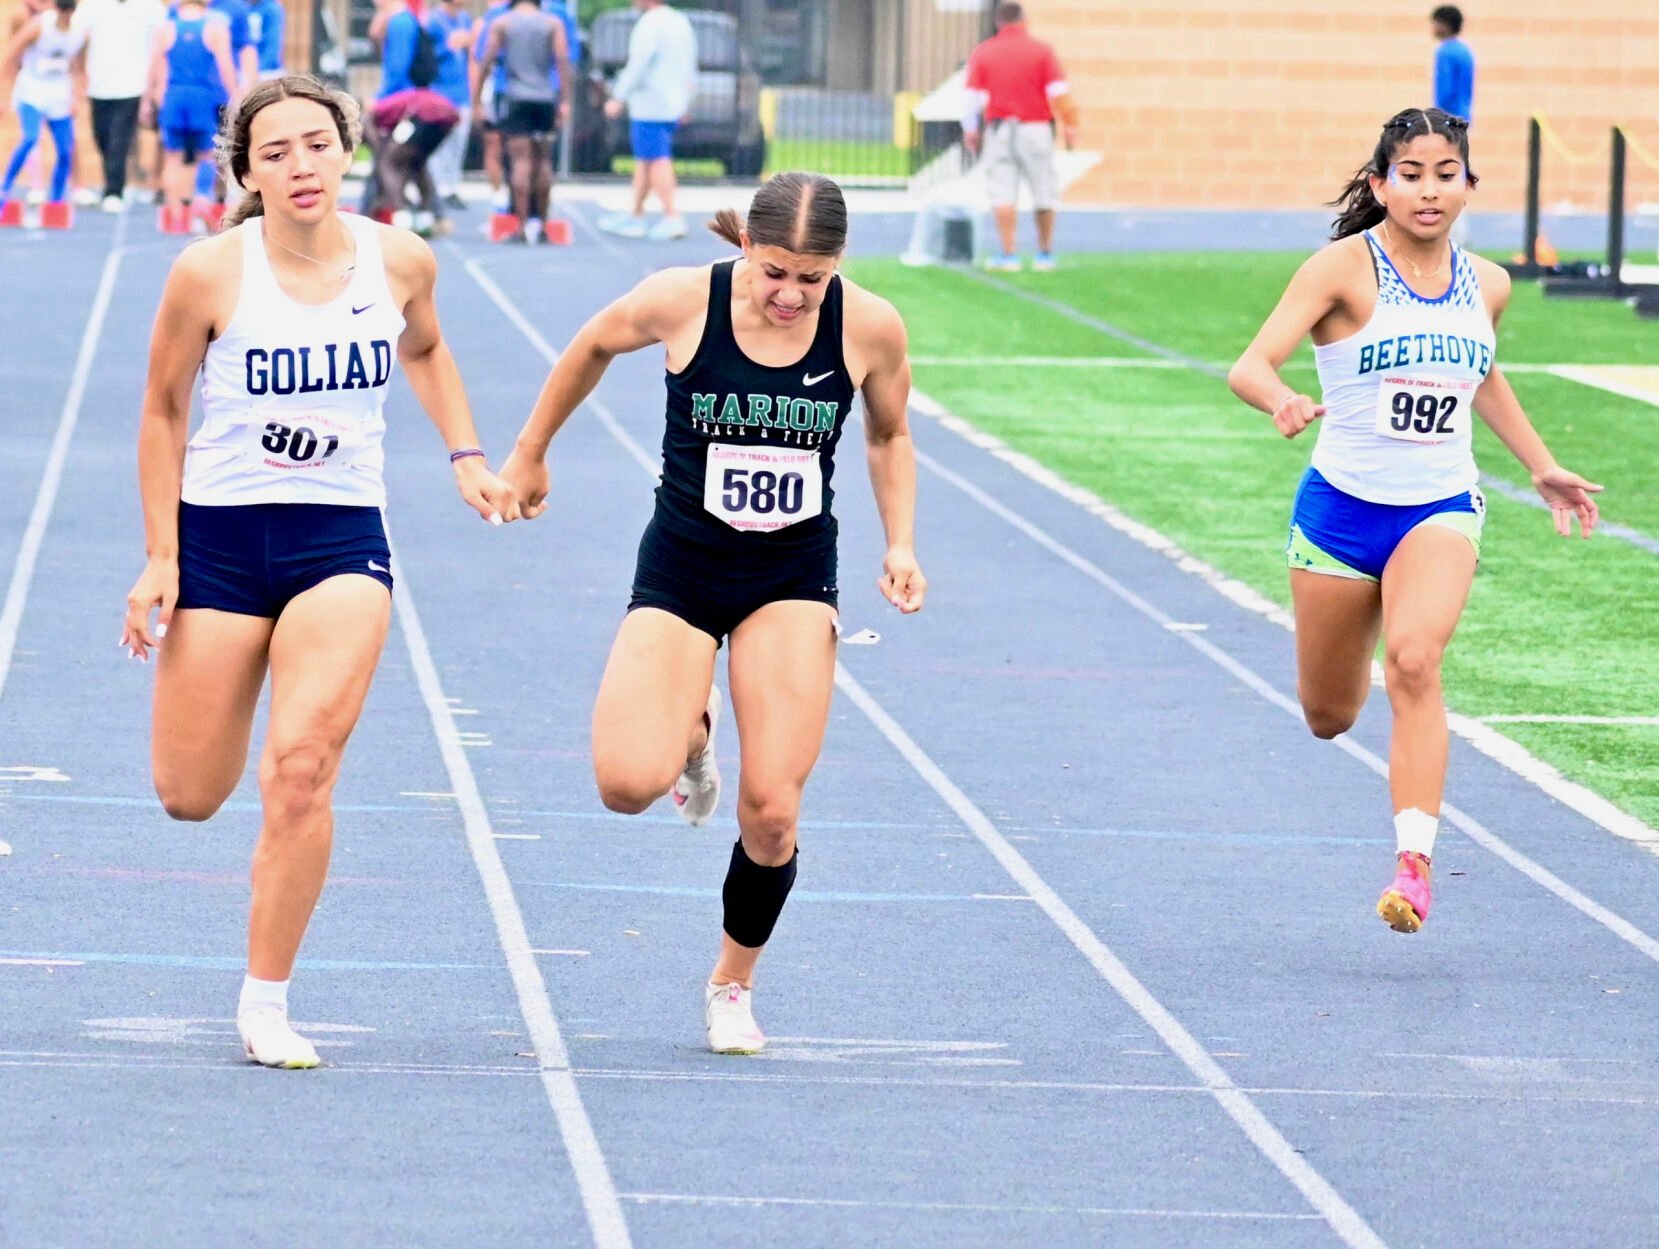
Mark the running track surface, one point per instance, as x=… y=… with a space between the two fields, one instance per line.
x=1082 y=950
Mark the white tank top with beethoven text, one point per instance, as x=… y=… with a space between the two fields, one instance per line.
x=1399 y=395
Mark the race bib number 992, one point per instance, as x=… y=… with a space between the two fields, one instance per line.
x=760 y=489
x=1419 y=408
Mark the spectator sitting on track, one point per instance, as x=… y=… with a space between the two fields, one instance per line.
x=1016 y=81
x=404 y=130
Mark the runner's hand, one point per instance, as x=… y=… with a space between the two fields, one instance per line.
x=491 y=497
x=528 y=478
x=901 y=582
x=157 y=586
x=1295 y=413
x=970 y=140
x=1567 y=494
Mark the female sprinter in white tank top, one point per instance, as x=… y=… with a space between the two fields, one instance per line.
x=1385 y=533
x=264 y=533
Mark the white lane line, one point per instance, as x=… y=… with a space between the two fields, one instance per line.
x=1343 y=1219
x=1491 y=743
x=952 y=1207
x=587 y=1161
x=28 y=551
x=34 y=533
x=1467 y=824
x=41 y=962
x=1547 y=719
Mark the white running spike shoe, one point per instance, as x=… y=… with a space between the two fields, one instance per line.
x=697 y=792
x=731 y=1020
x=269 y=1041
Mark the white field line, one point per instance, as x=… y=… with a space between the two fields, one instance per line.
x=1594 y=375
x=952 y=1207
x=1549 y=719
x=1342 y=1218
x=1568 y=371
x=587 y=1161
x=1511 y=754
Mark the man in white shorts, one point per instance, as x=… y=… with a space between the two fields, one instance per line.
x=1016 y=82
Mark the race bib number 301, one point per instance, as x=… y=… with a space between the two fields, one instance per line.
x=310 y=441
x=760 y=489
x=1424 y=408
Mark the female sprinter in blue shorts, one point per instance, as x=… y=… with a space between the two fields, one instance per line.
x=264 y=535
x=764 y=355
x=1385 y=531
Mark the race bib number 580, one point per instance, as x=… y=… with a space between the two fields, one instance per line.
x=1422 y=408
x=760 y=489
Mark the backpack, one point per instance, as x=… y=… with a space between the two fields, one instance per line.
x=423 y=64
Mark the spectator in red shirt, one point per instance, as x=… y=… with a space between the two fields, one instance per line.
x=1016 y=82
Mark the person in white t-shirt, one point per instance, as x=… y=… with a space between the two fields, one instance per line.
x=656 y=87
x=119 y=34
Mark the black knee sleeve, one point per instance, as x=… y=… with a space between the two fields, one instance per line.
x=754 y=897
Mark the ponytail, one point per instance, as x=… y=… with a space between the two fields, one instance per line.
x=1357 y=207
x=729 y=226
x=250 y=205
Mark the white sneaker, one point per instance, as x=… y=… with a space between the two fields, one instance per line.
x=697 y=792
x=114 y=204
x=731 y=1020
x=86 y=196
x=269 y=1041
x=623 y=225
x=666 y=229
x=1003 y=264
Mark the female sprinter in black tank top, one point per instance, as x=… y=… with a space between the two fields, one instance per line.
x=764 y=355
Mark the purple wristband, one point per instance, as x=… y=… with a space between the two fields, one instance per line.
x=463 y=452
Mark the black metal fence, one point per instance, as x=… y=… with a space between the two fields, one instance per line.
x=833 y=86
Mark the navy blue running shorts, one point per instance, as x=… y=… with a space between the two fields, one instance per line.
x=255 y=558
x=714 y=588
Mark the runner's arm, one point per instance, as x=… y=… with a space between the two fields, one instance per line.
x=645 y=315
x=1313 y=294
x=434 y=376
x=889 y=450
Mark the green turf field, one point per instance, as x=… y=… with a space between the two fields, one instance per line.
x=839 y=159
x=1554 y=627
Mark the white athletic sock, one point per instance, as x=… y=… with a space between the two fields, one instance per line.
x=1414 y=831
x=263 y=993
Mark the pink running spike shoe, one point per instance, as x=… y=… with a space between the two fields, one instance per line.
x=1404 y=905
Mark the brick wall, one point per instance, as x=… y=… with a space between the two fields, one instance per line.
x=1272 y=103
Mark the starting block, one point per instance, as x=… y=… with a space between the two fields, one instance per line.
x=504 y=226
x=213 y=217
x=57 y=215
x=556 y=230
x=173 y=219
x=12 y=213
x=382 y=215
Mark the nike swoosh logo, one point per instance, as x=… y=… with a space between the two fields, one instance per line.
x=364 y=308
x=810 y=380
x=374 y=567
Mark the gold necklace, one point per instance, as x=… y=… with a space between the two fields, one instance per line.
x=1415 y=271
x=345 y=274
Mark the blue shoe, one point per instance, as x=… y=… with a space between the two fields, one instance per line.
x=1042 y=262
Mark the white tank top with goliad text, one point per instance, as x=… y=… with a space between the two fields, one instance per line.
x=1399 y=395
x=293 y=393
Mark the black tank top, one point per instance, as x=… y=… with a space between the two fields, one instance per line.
x=749 y=450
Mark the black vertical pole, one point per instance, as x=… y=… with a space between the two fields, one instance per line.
x=1535 y=160
x=1615 y=211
